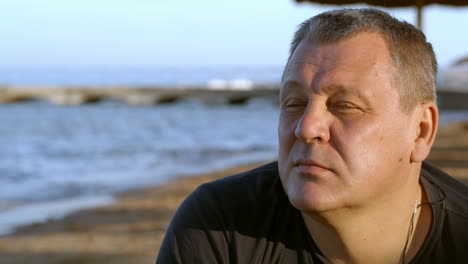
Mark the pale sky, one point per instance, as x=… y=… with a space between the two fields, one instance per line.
x=180 y=33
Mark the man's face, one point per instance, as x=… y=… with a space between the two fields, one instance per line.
x=344 y=140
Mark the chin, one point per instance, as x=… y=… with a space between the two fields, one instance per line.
x=313 y=207
x=313 y=201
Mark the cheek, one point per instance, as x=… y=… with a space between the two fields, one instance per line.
x=358 y=144
x=286 y=135
x=370 y=148
x=287 y=139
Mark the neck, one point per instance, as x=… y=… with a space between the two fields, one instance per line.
x=373 y=234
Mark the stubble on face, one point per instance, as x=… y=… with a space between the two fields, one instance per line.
x=341 y=129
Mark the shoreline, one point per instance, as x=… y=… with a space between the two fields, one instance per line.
x=131 y=229
x=34 y=213
x=127 y=230
x=23 y=214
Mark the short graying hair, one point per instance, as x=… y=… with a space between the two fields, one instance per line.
x=412 y=56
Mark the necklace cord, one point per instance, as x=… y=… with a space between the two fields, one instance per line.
x=411 y=229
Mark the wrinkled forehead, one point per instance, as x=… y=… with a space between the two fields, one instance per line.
x=365 y=52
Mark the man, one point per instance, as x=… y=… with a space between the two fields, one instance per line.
x=358 y=117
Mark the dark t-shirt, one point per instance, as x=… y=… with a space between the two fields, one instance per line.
x=247 y=218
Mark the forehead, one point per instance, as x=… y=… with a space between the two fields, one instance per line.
x=354 y=61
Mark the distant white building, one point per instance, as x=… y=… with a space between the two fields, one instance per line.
x=235 y=84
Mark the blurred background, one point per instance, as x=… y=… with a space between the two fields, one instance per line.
x=100 y=99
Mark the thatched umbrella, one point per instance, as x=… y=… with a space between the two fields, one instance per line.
x=419 y=4
x=463 y=60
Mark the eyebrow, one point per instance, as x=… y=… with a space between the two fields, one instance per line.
x=293 y=85
x=342 y=89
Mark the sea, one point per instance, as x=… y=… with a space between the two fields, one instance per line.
x=55 y=160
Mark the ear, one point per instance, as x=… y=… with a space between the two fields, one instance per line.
x=427 y=117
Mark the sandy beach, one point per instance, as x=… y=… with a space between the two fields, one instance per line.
x=131 y=229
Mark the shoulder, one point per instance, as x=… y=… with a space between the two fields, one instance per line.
x=228 y=193
x=453 y=216
x=205 y=223
x=248 y=185
x=455 y=192
x=240 y=191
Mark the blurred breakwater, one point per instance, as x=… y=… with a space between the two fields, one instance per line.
x=75 y=95
x=452 y=99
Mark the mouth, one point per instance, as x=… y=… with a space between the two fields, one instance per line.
x=307 y=166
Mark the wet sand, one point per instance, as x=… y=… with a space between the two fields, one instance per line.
x=131 y=229
x=128 y=231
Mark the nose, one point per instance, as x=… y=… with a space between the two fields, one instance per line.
x=314 y=125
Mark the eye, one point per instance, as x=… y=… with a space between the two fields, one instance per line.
x=294 y=105
x=343 y=104
x=344 y=107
